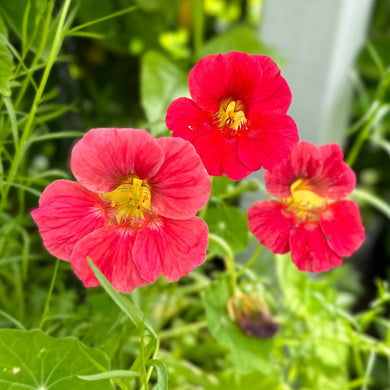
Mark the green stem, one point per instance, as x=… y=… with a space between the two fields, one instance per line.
x=166 y=334
x=30 y=120
x=229 y=259
x=250 y=261
x=46 y=308
x=198 y=20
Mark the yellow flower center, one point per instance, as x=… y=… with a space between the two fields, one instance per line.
x=231 y=114
x=130 y=200
x=304 y=202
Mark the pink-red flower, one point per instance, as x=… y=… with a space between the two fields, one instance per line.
x=236 y=118
x=312 y=218
x=132 y=210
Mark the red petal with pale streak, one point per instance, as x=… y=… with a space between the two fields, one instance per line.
x=306 y=160
x=182 y=186
x=220 y=155
x=273 y=93
x=110 y=249
x=270 y=140
x=105 y=156
x=278 y=180
x=216 y=77
x=337 y=179
x=67 y=212
x=343 y=227
x=186 y=120
x=310 y=250
x=170 y=247
x=270 y=225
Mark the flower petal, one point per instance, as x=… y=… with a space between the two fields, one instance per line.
x=343 y=227
x=306 y=160
x=170 y=247
x=270 y=225
x=310 y=250
x=182 y=186
x=105 y=156
x=110 y=249
x=273 y=93
x=216 y=77
x=67 y=212
x=270 y=140
x=337 y=179
x=219 y=155
x=186 y=120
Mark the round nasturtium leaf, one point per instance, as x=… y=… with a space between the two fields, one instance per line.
x=33 y=360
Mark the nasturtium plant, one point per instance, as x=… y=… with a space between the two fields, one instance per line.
x=33 y=360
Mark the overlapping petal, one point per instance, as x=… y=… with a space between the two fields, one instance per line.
x=104 y=157
x=216 y=77
x=270 y=140
x=67 y=212
x=271 y=225
x=343 y=227
x=181 y=187
x=310 y=250
x=170 y=247
x=110 y=249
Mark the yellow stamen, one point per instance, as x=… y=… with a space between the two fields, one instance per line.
x=130 y=200
x=304 y=202
x=231 y=114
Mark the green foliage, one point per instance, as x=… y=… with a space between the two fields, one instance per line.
x=66 y=66
x=246 y=353
x=31 y=359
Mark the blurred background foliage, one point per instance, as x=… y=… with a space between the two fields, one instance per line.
x=68 y=66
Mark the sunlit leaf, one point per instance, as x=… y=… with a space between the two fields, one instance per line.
x=34 y=360
x=161 y=83
x=6 y=67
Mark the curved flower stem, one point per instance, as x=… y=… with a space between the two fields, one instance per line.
x=229 y=259
x=373 y=200
x=250 y=262
x=166 y=334
x=53 y=279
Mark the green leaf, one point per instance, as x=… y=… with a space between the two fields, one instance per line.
x=124 y=303
x=108 y=375
x=242 y=39
x=34 y=360
x=162 y=374
x=230 y=224
x=246 y=353
x=6 y=67
x=161 y=83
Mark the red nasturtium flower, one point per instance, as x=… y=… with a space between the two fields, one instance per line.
x=312 y=218
x=132 y=210
x=236 y=118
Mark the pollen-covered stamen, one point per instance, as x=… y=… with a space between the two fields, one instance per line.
x=305 y=203
x=231 y=114
x=130 y=200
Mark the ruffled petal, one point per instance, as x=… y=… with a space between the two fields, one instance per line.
x=182 y=186
x=273 y=93
x=67 y=212
x=271 y=225
x=343 y=227
x=104 y=157
x=306 y=160
x=278 y=180
x=219 y=155
x=186 y=120
x=337 y=179
x=220 y=76
x=310 y=250
x=270 y=139
x=110 y=249
x=170 y=247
